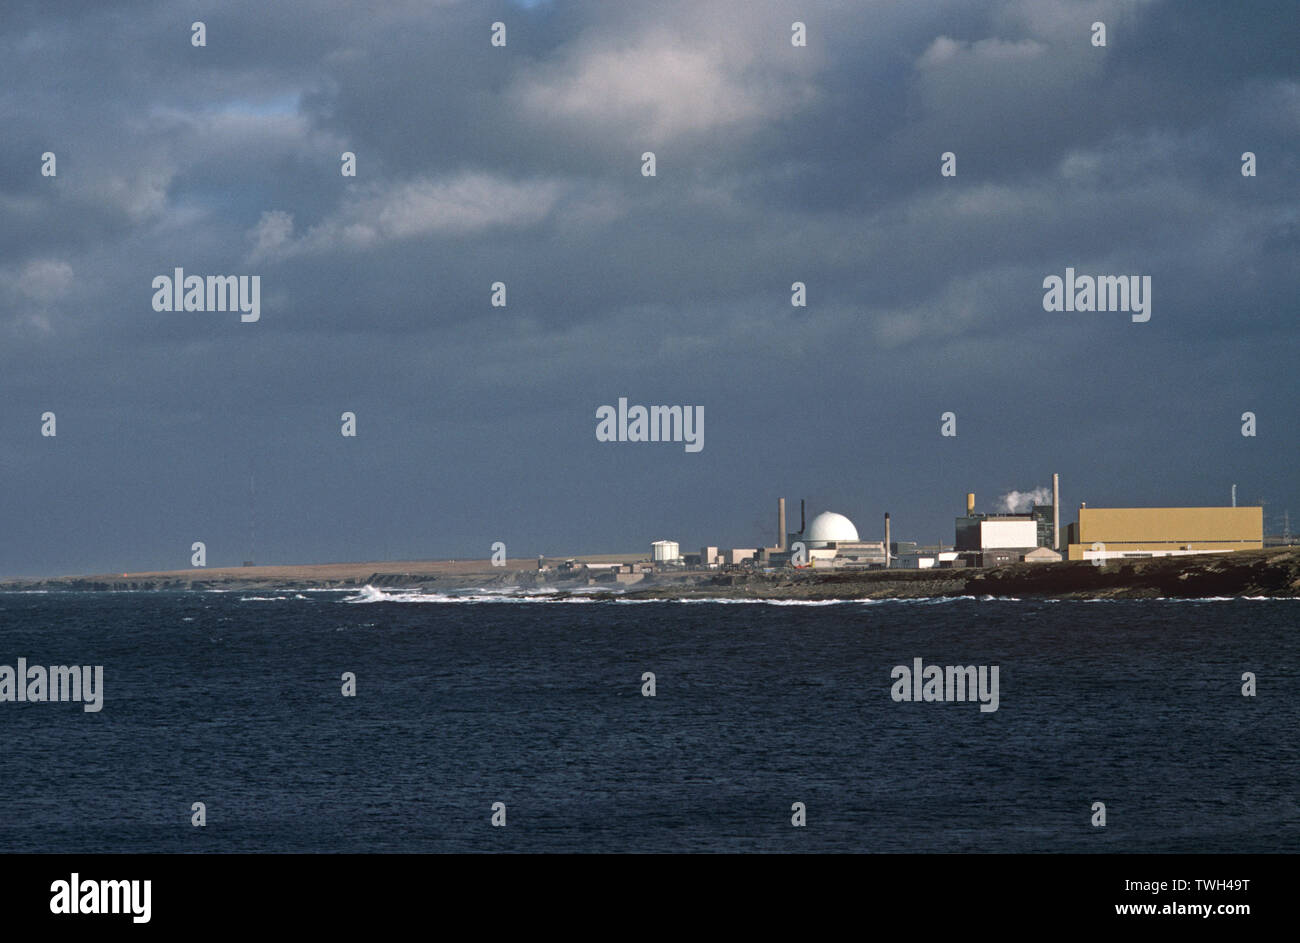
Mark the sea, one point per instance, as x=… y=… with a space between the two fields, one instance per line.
x=488 y=722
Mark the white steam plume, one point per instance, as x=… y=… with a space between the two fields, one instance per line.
x=1022 y=502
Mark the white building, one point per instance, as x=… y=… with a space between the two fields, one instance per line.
x=665 y=551
x=832 y=538
x=829 y=528
x=1008 y=534
x=914 y=561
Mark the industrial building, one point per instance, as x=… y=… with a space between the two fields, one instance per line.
x=999 y=539
x=831 y=539
x=996 y=532
x=921 y=560
x=1041 y=555
x=665 y=552
x=1045 y=516
x=1115 y=533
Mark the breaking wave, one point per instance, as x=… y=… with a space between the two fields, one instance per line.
x=368 y=594
x=373 y=594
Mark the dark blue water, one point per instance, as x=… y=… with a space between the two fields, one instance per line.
x=538 y=705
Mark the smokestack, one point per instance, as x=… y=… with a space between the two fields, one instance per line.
x=886 y=539
x=970 y=503
x=780 y=524
x=1056 y=511
x=801 y=523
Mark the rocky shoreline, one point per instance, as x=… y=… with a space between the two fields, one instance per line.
x=1274 y=572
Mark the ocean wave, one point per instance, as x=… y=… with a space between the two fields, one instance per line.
x=904 y=601
x=721 y=601
x=370 y=594
x=299 y=592
x=1218 y=599
x=550 y=595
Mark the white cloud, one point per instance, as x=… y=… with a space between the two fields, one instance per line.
x=944 y=51
x=272 y=231
x=658 y=86
x=1068 y=23
x=44 y=279
x=32 y=294
x=466 y=203
x=140 y=195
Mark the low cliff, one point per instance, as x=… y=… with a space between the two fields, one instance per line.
x=1274 y=572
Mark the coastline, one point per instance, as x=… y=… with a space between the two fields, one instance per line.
x=1273 y=572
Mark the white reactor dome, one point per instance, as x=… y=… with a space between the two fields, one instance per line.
x=828 y=526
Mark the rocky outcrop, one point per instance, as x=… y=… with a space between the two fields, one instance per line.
x=1274 y=572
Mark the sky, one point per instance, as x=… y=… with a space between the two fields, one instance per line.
x=522 y=164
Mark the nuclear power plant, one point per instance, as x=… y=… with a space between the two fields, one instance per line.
x=983 y=539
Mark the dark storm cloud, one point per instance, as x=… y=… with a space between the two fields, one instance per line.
x=775 y=164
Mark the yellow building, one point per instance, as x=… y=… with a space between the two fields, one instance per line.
x=1110 y=533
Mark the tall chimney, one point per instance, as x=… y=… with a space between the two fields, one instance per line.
x=886 y=540
x=801 y=523
x=970 y=503
x=780 y=524
x=1056 y=511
